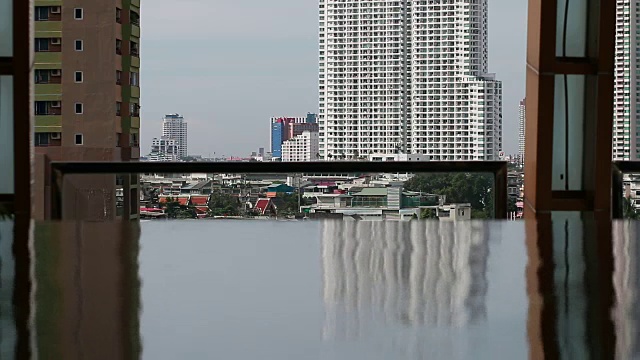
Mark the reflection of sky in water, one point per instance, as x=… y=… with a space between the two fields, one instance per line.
x=334 y=290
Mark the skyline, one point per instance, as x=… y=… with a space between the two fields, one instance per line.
x=227 y=97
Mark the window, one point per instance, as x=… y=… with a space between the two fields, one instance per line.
x=118 y=77
x=133 y=49
x=41 y=44
x=134 y=18
x=41 y=139
x=78 y=77
x=118 y=46
x=79 y=45
x=41 y=108
x=119 y=15
x=133 y=140
x=42 y=76
x=118 y=108
x=133 y=79
x=79 y=139
x=134 y=109
x=77 y=13
x=79 y=108
x=42 y=13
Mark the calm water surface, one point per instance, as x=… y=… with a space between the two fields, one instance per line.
x=333 y=290
x=562 y=288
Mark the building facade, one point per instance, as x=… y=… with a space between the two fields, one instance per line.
x=87 y=91
x=521 y=129
x=175 y=127
x=164 y=149
x=285 y=128
x=626 y=113
x=407 y=77
x=303 y=147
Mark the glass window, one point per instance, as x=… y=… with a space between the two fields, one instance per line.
x=41 y=107
x=42 y=76
x=79 y=139
x=6 y=28
x=79 y=45
x=41 y=44
x=77 y=13
x=6 y=134
x=42 y=13
x=134 y=79
x=78 y=77
x=78 y=108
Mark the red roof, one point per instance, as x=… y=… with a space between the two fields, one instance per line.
x=262 y=205
x=183 y=200
x=202 y=209
x=199 y=200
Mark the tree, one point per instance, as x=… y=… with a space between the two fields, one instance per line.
x=428 y=214
x=224 y=205
x=474 y=189
x=175 y=210
x=511 y=205
x=628 y=211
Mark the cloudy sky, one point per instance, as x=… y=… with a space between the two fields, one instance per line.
x=229 y=65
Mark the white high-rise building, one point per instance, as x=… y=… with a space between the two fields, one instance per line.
x=164 y=149
x=407 y=76
x=522 y=131
x=627 y=81
x=175 y=127
x=303 y=147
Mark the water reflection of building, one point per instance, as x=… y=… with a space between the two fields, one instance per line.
x=408 y=273
x=8 y=337
x=87 y=290
x=626 y=281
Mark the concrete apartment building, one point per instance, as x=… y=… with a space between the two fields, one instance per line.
x=175 y=127
x=627 y=82
x=164 y=149
x=87 y=94
x=407 y=77
x=303 y=147
x=522 y=121
x=284 y=128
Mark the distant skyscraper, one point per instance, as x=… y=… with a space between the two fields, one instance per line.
x=627 y=82
x=521 y=132
x=284 y=128
x=407 y=76
x=175 y=127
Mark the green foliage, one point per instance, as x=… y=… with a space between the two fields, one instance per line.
x=174 y=210
x=428 y=214
x=474 y=189
x=628 y=211
x=511 y=204
x=224 y=205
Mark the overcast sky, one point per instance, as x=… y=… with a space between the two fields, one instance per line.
x=229 y=65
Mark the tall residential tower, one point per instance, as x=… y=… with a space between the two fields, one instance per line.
x=87 y=94
x=522 y=114
x=626 y=114
x=175 y=127
x=407 y=77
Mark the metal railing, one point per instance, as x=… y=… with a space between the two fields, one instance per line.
x=497 y=168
